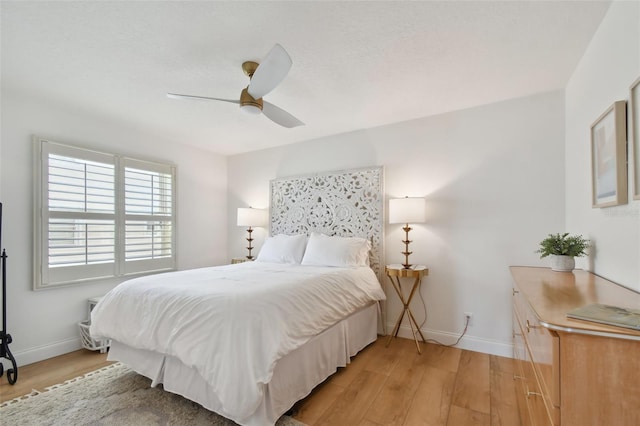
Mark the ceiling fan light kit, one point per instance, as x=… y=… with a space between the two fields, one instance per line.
x=251 y=109
x=264 y=78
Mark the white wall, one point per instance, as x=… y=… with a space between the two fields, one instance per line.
x=493 y=177
x=604 y=74
x=43 y=323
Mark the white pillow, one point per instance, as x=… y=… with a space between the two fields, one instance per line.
x=364 y=258
x=282 y=249
x=323 y=250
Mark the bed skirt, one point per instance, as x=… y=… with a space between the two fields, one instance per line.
x=294 y=376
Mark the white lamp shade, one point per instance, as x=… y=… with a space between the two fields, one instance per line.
x=252 y=217
x=407 y=210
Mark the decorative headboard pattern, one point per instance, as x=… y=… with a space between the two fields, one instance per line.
x=347 y=203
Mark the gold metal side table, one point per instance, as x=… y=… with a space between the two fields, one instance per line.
x=395 y=272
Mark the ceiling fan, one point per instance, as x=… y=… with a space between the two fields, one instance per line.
x=264 y=77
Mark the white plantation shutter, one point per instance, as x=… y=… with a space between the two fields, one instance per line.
x=149 y=218
x=100 y=215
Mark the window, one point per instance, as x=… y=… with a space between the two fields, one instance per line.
x=101 y=215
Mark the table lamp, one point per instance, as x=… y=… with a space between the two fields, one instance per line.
x=407 y=210
x=251 y=217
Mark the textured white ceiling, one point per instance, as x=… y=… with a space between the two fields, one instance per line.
x=355 y=64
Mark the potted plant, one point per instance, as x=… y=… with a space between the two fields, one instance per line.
x=563 y=248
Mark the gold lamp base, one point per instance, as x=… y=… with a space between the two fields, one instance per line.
x=249 y=247
x=406 y=251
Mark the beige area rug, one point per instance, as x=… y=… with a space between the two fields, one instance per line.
x=114 y=395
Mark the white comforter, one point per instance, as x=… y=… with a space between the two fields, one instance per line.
x=232 y=323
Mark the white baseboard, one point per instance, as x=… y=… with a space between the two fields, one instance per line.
x=40 y=353
x=468 y=342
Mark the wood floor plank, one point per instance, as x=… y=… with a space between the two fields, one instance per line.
x=351 y=407
x=384 y=358
x=345 y=376
x=500 y=363
x=431 y=402
x=472 y=389
x=392 y=403
x=367 y=422
x=459 y=416
x=504 y=405
x=442 y=357
x=310 y=409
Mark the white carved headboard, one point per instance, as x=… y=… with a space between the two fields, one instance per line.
x=347 y=203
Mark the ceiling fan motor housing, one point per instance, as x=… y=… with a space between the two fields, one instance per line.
x=249 y=67
x=249 y=104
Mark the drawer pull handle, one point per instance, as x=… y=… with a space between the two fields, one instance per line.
x=514 y=291
x=516 y=377
x=529 y=326
x=529 y=393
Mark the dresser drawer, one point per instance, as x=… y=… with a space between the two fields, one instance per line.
x=537 y=402
x=530 y=397
x=518 y=340
x=536 y=350
x=544 y=347
x=545 y=354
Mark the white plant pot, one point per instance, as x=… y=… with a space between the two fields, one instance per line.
x=562 y=263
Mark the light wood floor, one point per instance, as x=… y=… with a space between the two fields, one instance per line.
x=52 y=371
x=382 y=386
x=397 y=386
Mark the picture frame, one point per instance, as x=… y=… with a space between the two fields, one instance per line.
x=608 y=157
x=634 y=135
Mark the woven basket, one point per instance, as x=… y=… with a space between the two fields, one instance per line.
x=90 y=343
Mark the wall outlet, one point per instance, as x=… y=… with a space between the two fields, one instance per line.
x=468 y=315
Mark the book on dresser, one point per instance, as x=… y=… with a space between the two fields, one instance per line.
x=606 y=314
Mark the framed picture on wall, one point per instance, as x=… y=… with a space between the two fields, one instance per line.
x=608 y=157
x=634 y=135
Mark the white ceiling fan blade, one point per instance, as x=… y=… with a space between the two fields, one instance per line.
x=271 y=71
x=201 y=98
x=280 y=116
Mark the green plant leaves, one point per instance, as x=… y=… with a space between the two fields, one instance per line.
x=563 y=245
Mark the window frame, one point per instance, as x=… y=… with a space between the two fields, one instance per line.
x=45 y=276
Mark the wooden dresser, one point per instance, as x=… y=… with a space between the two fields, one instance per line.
x=571 y=372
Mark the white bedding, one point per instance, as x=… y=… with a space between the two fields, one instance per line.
x=233 y=323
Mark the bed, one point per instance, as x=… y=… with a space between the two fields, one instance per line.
x=249 y=340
